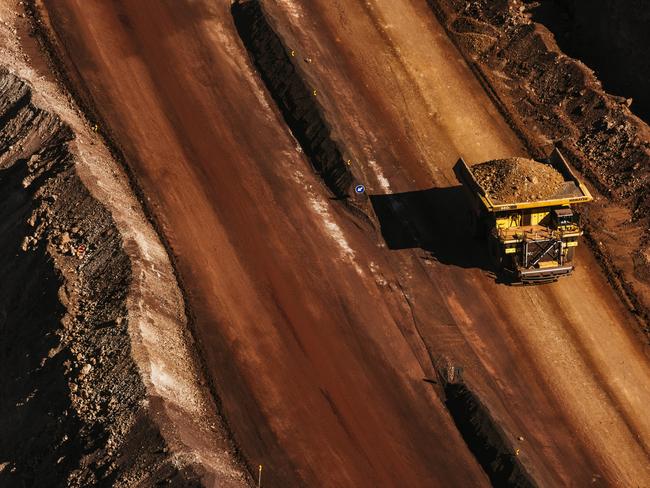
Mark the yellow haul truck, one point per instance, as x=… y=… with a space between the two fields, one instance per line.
x=534 y=241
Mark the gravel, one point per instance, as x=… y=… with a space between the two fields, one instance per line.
x=518 y=180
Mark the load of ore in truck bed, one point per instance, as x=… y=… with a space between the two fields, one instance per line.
x=518 y=180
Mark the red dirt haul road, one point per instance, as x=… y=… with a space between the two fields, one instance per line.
x=316 y=334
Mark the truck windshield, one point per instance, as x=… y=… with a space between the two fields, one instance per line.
x=564 y=217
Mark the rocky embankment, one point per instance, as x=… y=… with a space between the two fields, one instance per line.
x=610 y=37
x=86 y=399
x=71 y=392
x=552 y=99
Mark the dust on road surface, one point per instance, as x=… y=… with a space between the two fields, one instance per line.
x=315 y=336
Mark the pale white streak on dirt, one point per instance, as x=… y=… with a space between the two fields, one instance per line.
x=335 y=231
x=381 y=179
x=294 y=9
x=321 y=207
x=225 y=39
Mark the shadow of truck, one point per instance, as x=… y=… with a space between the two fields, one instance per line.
x=435 y=220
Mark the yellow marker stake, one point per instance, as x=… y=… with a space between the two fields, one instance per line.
x=259 y=476
x=314 y=92
x=293 y=53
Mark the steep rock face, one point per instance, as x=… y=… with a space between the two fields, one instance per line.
x=72 y=403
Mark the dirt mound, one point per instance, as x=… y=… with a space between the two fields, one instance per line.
x=70 y=409
x=74 y=409
x=518 y=180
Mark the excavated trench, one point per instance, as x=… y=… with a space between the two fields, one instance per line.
x=485 y=439
x=297 y=103
x=72 y=403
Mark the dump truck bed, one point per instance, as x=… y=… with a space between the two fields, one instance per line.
x=571 y=191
